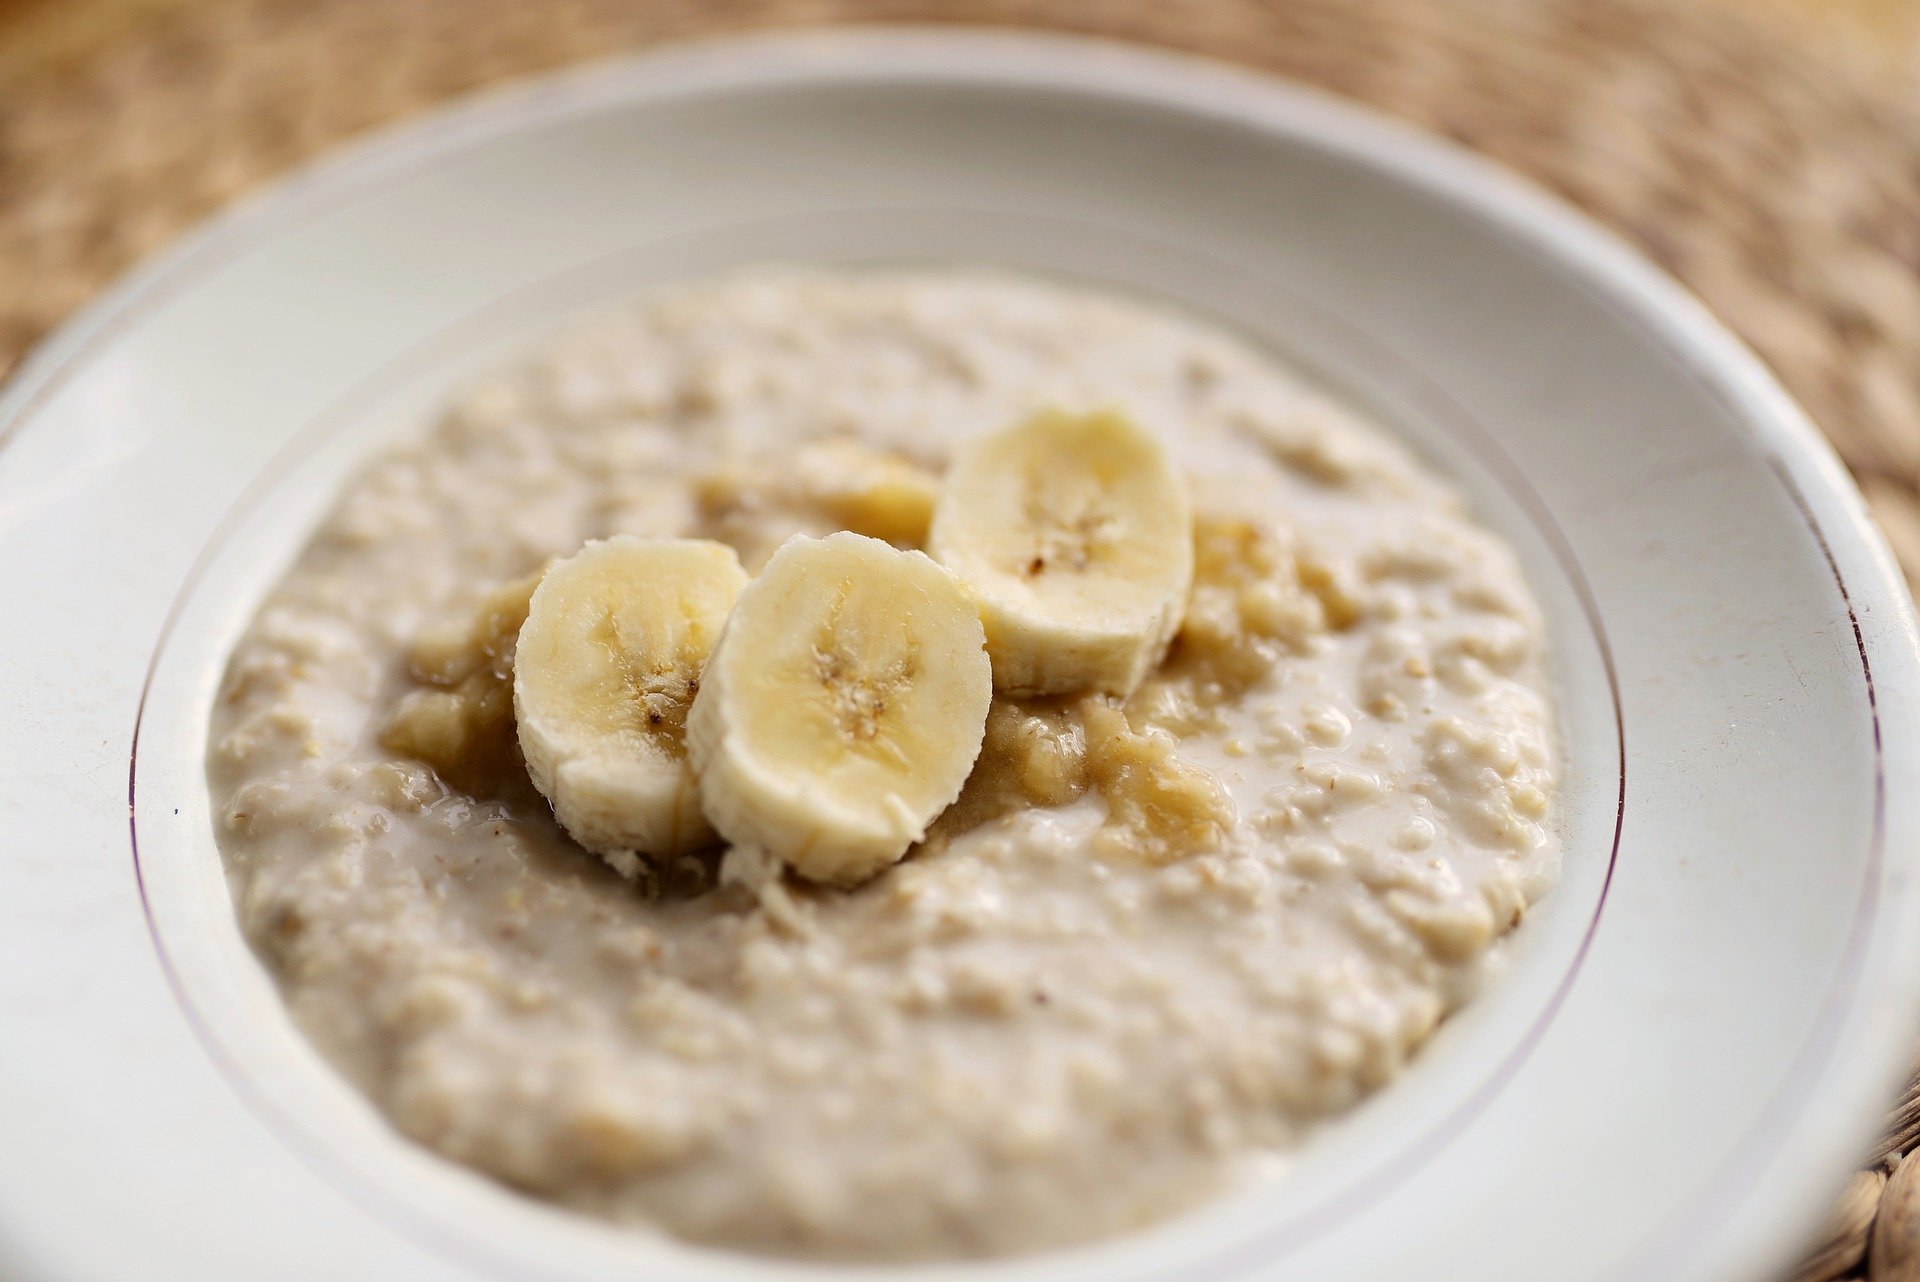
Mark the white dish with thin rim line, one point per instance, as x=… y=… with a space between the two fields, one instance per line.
x=1697 y=1027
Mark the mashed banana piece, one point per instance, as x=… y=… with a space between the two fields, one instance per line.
x=1152 y=945
x=461 y=721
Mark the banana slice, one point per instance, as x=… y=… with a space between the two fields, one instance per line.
x=843 y=707
x=1076 y=534
x=607 y=663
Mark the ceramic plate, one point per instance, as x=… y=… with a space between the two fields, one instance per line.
x=1696 y=1030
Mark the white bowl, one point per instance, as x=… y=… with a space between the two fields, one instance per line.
x=1698 y=1027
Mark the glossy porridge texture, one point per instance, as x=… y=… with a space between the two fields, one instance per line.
x=1149 y=948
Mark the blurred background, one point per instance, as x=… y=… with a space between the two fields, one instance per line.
x=1767 y=152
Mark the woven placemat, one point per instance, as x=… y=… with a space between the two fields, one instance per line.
x=1777 y=174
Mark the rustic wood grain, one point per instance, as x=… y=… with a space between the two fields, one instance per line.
x=1842 y=1243
x=1894 y=1255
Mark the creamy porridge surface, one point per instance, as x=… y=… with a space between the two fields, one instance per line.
x=1148 y=948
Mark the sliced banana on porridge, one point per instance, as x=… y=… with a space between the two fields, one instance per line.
x=1076 y=533
x=967 y=1056
x=606 y=666
x=843 y=706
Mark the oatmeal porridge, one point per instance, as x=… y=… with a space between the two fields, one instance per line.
x=1165 y=928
